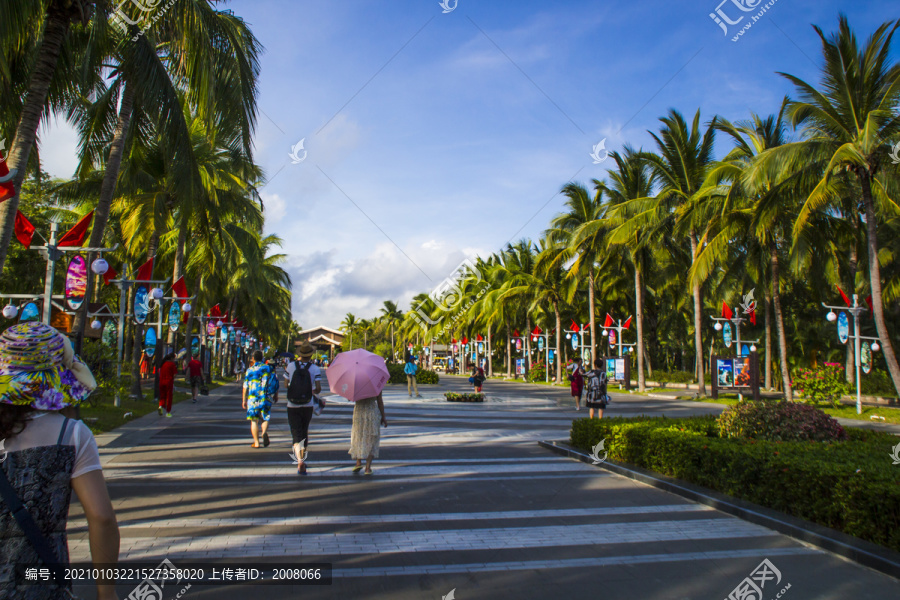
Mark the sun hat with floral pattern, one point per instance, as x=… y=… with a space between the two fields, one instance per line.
x=38 y=368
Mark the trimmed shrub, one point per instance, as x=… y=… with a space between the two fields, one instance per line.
x=847 y=485
x=673 y=377
x=399 y=376
x=538 y=372
x=779 y=421
x=468 y=397
x=823 y=384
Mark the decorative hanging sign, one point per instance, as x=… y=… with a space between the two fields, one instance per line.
x=195 y=347
x=520 y=366
x=865 y=357
x=551 y=356
x=726 y=335
x=843 y=324
x=30 y=312
x=519 y=345
x=174 y=316
x=612 y=337
x=231 y=335
x=574 y=341
x=76 y=282
x=586 y=356
x=150 y=342
x=141 y=306
x=210 y=329
x=108 y=337
x=541 y=344
x=223 y=335
x=480 y=348
x=745 y=350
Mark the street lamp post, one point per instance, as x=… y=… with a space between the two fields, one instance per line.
x=546 y=338
x=855 y=310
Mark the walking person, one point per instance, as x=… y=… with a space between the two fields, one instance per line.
x=410 y=369
x=304 y=378
x=577 y=379
x=597 y=381
x=167 y=371
x=477 y=377
x=194 y=371
x=365 y=434
x=258 y=397
x=44 y=456
x=145 y=365
x=239 y=369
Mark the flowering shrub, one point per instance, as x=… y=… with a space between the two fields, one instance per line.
x=825 y=384
x=778 y=421
x=538 y=371
x=454 y=397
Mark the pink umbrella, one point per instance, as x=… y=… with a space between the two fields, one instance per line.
x=357 y=374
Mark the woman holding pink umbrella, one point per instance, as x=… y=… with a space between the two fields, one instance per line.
x=360 y=376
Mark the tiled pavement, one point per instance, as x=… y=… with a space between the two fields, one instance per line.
x=462 y=498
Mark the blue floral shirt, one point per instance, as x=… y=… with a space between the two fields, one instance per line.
x=256 y=381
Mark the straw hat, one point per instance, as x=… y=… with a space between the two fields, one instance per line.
x=306 y=350
x=38 y=368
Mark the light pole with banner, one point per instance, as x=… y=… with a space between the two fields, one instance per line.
x=543 y=345
x=844 y=335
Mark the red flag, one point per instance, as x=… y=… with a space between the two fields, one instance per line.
x=869 y=302
x=516 y=333
x=465 y=340
x=843 y=295
x=109 y=275
x=627 y=323
x=145 y=272
x=76 y=235
x=479 y=338
x=753 y=317
x=215 y=311
x=575 y=327
x=609 y=321
x=7 y=189
x=180 y=289
x=24 y=230
x=452 y=340
x=537 y=331
x=726 y=312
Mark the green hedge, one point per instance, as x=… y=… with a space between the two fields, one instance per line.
x=422 y=375
x=850 y=486
x=673 y=377
x=468 y=397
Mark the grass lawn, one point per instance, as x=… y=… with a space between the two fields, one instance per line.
x=891 y=415
x=104 y=416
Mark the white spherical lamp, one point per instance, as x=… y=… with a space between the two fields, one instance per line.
x=876 y=346
x=95 y=324
x=753 y=348
x=157 y=293
x=568 y=336
x=10 y=311
x=186 y=307
x=605 y=333
x=717 y=326
x=219 y=324
x=100 y=266
x=831 y=317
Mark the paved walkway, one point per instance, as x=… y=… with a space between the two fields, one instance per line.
x=462 y=499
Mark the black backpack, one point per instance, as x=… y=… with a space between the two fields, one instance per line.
x=300 y=390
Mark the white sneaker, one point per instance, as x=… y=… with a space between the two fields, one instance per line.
x=169 y=415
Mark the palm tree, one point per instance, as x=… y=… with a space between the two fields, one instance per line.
x=350 y=323
x=632 y=180
x=681 y=166
x=390 y=314
x=846 y=123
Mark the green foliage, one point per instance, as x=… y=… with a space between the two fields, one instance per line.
x=423 y=376
x=468 y=397
x=823 y=384
x=538 y=371
x=778 y=421
x=877 y=383
x=101 y=360
x=846 y=485
x=672 y=377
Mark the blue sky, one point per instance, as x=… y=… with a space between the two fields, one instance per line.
x=431 y=137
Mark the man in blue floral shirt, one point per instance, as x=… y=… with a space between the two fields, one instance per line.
x=259 y=393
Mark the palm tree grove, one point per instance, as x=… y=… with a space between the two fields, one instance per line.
x=404 y=301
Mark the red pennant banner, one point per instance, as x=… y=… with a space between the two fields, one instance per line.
x=575 y=327
x=109 y=275
x=753 y=317
x=726 y=311
x=145 y=272
x=609 y=321
x=537 y=331
x=516 y=333
x=627 y=323
x=24 y=230
x=7 y=189
x=869 y=302
x=479 y=338
x=75 y=236
x=179 y=289
x=465 y=340
x=843 y=295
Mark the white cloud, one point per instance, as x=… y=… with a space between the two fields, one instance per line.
x=59 y=148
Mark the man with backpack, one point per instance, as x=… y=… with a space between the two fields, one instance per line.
x=596 y=382
x=259 y=392
x=304 y=384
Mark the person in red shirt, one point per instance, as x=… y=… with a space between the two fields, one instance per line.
x=195 y=374
x=167 y=383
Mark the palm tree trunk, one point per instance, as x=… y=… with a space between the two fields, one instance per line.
x=698 y=338
x=591 y=307
x=490 y=360
x=639 y=317
x=55 y=31
x=768 y=342
x=887 y=348
x=558 y=356
x=509 y=358
x=850 y=363
x=779 y=322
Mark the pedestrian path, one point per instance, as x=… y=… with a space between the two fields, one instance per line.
x=462 y=498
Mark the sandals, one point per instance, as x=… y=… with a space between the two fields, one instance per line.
x=369 y=472
x=265 y=440
x=255 y=446
x=357 y=469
